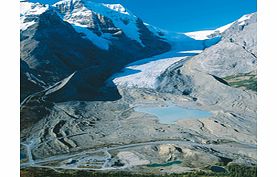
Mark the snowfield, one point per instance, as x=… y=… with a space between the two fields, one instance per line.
x=202 y=35
x=81 y=13
x=30 y=9
x=100 y=42
x=118 y=8
x=144 y=73
x=244 y=18
x=205 y=34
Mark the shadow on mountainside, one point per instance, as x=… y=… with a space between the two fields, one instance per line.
x=85 y=85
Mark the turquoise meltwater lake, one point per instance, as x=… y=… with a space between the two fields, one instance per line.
x=170 y=114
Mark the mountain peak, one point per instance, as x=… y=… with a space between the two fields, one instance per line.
x=244 y=18
x=207 y=34
x=99 y=16
x=32 y=8
x=118 y=8
x=28 y=13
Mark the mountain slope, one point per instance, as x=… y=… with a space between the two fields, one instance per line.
x=68 y=37
x=53 y=49
x=207 y=34
x=76 y=35
x=235 y=53
x=110 y=26
x=233 y=57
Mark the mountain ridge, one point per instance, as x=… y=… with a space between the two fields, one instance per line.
x=207 y=34
x=64 y=54
x=109 y=28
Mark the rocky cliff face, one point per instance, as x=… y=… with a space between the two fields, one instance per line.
x=54 y=50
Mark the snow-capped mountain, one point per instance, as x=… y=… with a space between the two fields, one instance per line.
x=100 y=22
x=73 y=35
x=29 y=13
x=92 y=40
x=207 y=34
x=236 y=53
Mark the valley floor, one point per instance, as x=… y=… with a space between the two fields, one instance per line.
x=112 y=135
x=186 y=112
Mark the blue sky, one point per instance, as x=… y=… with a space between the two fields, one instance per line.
x=185 y=15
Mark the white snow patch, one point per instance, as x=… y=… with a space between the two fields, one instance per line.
x=244 y=18
x=202 y=35
x=24 y=25
x=25 y=7
x=118 y=8
x=30 y=9
x=100 y=42
x=125 y=21
x=191 y=51
x=224 y=28
x=120 y=16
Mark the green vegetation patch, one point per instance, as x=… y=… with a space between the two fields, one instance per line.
x=246 y=81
